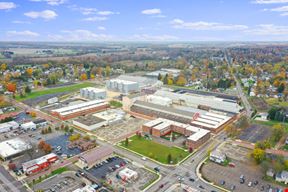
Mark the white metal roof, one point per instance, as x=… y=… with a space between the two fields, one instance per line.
x=198 y=133
x=195 y=100
x=79 y=107
x=13 y=147
x=9 y=124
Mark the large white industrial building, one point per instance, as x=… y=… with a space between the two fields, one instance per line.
x=8 y=126
x=127 y=84
x=92 y=93
x=122 y=86
x=12 y=148
x=209 y=102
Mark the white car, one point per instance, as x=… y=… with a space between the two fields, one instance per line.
x=144 y=158
x=250 y=184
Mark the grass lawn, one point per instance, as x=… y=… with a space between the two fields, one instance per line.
x=155 y=150
x=269 y=123
x=69 y=88
x=275 y=101
x=55 y=172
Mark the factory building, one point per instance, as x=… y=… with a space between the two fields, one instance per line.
x=36 y=165
x=122 y=86
x=200 y=118
x=8 y=126
x=89 y=122
x=103 y=118
x=95 y=156
x=80 y=109
x=160 y=127
x=92 y=93
x=28 y=126
x=159 y=100
x=13 y=148
x=209 y=103
x=127 y=84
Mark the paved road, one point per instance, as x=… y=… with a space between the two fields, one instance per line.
x=241 y=94
x=8 y=183
x=188 y=169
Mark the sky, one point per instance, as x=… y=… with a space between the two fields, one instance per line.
x=143 y=20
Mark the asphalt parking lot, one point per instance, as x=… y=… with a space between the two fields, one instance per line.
x=66 y=181
x=231 y=176
x=101 y=171
x=255 y=133
x=63 y=141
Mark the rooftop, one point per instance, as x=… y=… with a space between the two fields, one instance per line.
x=12 y=147
x=89 y=120
x=96 y=154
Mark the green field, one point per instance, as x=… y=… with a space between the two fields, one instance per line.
x=69 y=88
x=276 y=102
x=155 y=150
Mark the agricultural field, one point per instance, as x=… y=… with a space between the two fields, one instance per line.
x=67 y=89
x=153 y=150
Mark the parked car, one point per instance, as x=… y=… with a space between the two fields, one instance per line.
x=222 y=182
x=191 y=179
x=250 y=184
x=233 y=187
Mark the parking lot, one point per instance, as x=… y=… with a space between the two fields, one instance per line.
x=118 y=131
x=255 y=133
x=66 y=181
x=110 y=168
x=62 y=141
x=230 y=176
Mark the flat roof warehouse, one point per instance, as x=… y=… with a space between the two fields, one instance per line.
x=13 y=147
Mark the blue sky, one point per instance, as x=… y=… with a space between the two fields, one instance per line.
x=144 y=20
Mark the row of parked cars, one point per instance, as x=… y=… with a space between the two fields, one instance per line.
x=58 y=187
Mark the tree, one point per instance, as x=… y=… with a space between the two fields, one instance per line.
x=27 y=89
x=126 y=142
x=47 y=148
x=165 y=79
x=83 y=77
x=29 y=72
x=66 y=129
x=74 y=137
x=49 y=129
x=107 y=71
x=169 y=158
x=71 y=130
x=11 y=87
x=99 y=71
x=3 y=67
x=159 y=77
x=258 y=155
x=12 y=166
x=181 y=81
x=41 y=144
x=281 y=88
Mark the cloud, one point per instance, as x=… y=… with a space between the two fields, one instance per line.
x=269 y=1
x=95 y=19
x=283 y=10
x=46 y=14
x=107 y=13
x=26 y=33
x=145 y=37
x=180 y=24
x=101 y=28
x=7 y=5
x=80 y=35
x=151 y=11
x=51 y=2
x=88 y=11
x=268 y=29
x=21 y=22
